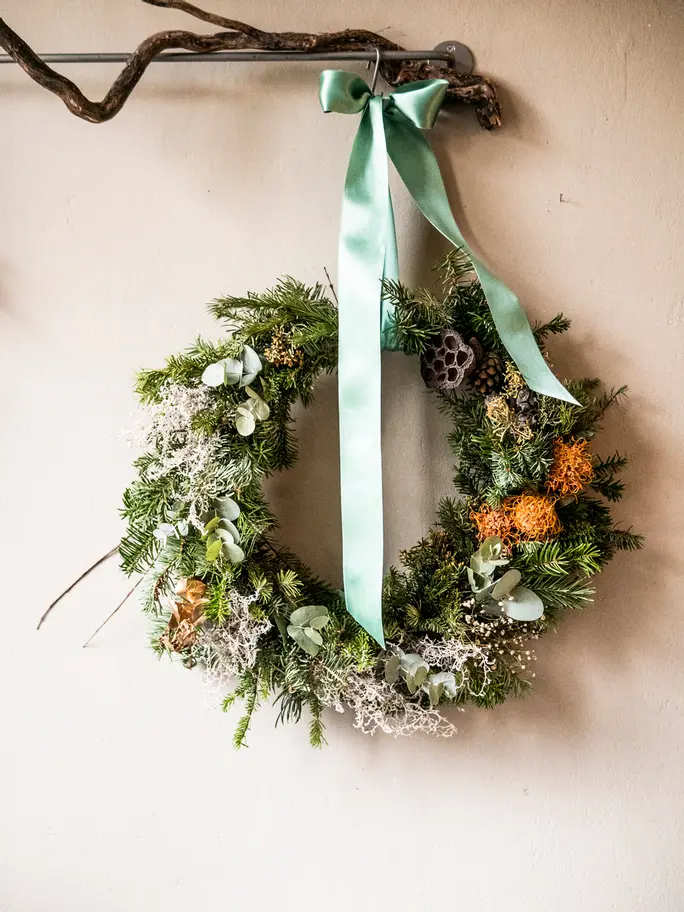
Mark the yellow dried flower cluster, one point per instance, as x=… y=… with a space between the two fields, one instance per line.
x=514 y=382
x=281 y=352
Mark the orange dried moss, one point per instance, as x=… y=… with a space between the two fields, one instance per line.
x=571 y=469
x=495 y=521
x=534 y=516
x=526 y=517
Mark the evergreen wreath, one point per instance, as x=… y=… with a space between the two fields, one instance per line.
x=505 y=560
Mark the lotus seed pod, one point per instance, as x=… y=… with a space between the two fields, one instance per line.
x=447 y=361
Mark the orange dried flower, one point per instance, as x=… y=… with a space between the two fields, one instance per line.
x=534 y=516
x=495 y=521
x=187 y=614
x=571 y=470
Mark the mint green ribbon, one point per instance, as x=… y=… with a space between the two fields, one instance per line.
x=367 y=256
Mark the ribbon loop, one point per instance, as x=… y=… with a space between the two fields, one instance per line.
x=367 y=256
x=420 y=101
x=343 y=92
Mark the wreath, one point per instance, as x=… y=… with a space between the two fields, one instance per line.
x=505 y=560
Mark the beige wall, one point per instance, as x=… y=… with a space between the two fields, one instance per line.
x=120 y=790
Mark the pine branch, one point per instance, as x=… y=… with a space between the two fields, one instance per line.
x=559 y=324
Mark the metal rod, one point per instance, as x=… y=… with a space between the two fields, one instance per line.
x=245 y=56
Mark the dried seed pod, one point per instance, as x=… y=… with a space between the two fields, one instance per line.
x=447 y=361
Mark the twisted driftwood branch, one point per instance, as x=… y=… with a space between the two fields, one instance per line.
x=471 y=89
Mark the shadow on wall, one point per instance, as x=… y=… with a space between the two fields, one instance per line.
x=416 y=473
x=602 y=644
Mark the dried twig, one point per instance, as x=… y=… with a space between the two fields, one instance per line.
x=332 y=287
x=109 y=617
x=468 y=88
x=76 y=582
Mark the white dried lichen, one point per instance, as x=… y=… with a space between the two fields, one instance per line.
x=459 y=657
x=379 y=705
x=229 y=649
x=181 y=450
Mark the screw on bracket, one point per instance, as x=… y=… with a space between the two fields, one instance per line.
x=462 y=57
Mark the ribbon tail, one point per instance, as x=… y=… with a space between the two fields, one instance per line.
x=418 y=168
x=390 y=273
x=362 y=260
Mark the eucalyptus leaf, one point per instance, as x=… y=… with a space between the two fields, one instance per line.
x=410 y=661
x=257 y=405
x=476 y=563
x=228 y=531
x=214 y=549
x=504 y=586
x=214 y=375
x=183 y=527
x=303 y=617
x=392 y=666
x=164 y=530
x=261 y=409
x=483 y=594
x=247 y=408
x=415 y=670
x=525 y=605
x=447 y=680
x=411 y=684
x=434 y=692
x=421 y=673
x=227 y=508
x=307 y=644
x=211 y=526
x=490 y=549
x=281 y=624
x=478 y=582
x=319 y=623
x=251 y=364
x=232 y=552
x=234 y=371
x=489 y=567
x=245 y=425
x=314 y=635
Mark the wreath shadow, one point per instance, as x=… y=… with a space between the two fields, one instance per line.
x=591 y=648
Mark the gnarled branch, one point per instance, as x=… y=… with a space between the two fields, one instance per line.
x=471 y=89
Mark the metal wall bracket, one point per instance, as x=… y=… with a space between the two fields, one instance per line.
x=462 y=57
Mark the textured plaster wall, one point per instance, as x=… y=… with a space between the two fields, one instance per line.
x=120 y=791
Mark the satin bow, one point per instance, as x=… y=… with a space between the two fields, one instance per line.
x=368 y=255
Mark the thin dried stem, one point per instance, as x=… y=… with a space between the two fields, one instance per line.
x=332 y=287
x=109 y=617
x=212 y=18
x=76 y=582
x=463 y=87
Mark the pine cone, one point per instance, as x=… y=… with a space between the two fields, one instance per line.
x=526 y=408
x=489 y=375
x=476 y=346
